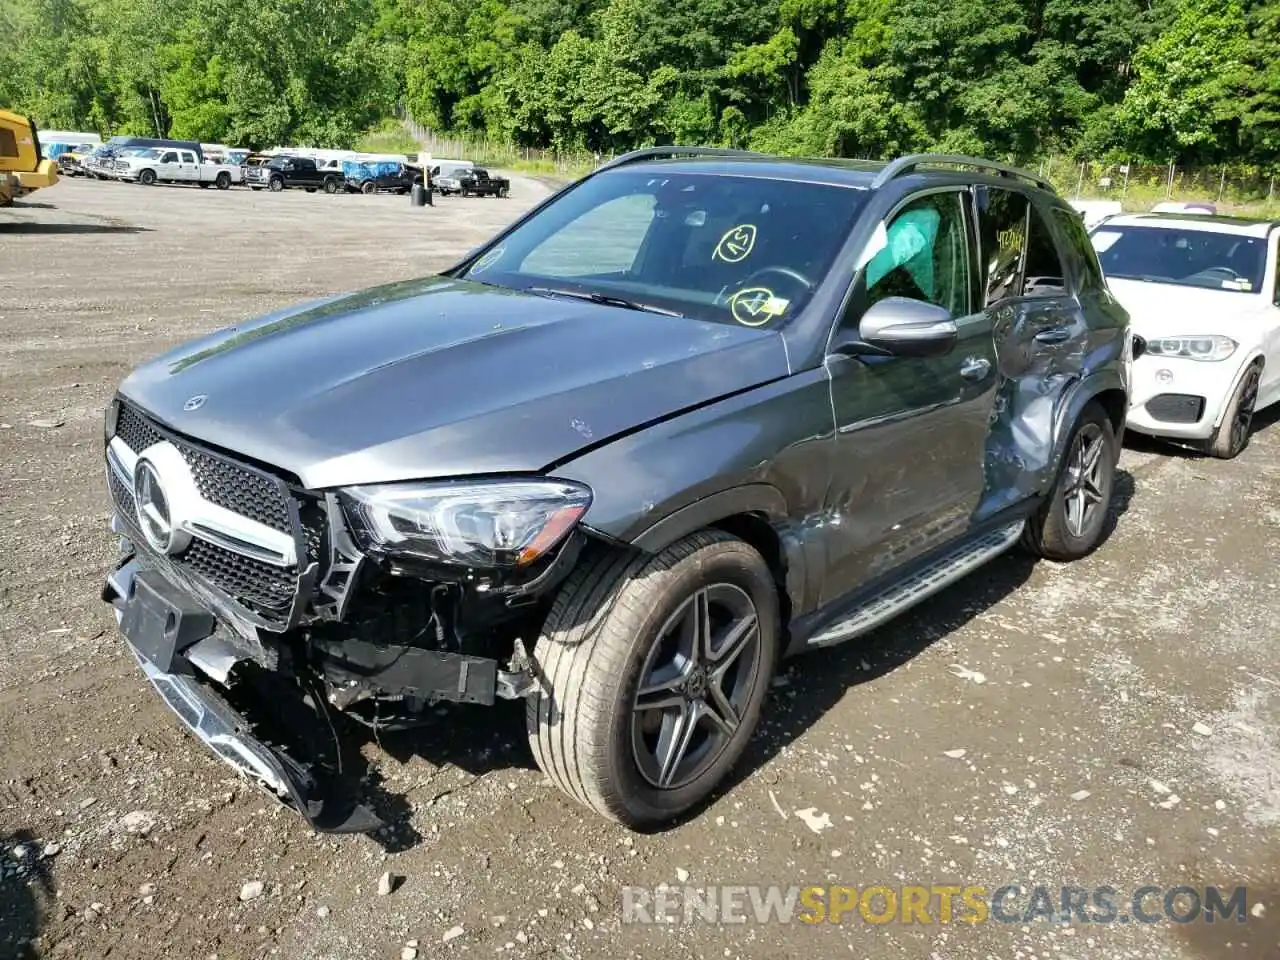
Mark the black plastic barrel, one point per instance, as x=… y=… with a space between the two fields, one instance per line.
x=418 y=195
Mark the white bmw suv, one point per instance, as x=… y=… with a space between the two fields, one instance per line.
x=1202 y=291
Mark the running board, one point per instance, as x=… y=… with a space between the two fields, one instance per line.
x=943 y=572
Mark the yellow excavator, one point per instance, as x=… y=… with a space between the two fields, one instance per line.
x=22 y=167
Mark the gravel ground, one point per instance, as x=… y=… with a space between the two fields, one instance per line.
x=1108 y=723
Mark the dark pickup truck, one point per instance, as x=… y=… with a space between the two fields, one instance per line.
x=281 y=172
x=473 y=182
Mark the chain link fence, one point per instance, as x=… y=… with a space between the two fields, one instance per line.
x=1142 y=185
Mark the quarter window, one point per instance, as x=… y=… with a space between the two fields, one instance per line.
x=1080 y=253
x=925 y=256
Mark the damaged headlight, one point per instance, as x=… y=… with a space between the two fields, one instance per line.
x=1209 y=347
x=491 y=523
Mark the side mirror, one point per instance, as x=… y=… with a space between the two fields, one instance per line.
x=897 y=326
x=1139 y=346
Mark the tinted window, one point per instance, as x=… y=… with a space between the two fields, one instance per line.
x=188 y=157
x=1079 y=252
x=480 y=174
x=170 y=157
x=1002 y=224
x=925 y=256
x=8 y=144
x=1043 y=275
x=1185 y=256
x=733 y=249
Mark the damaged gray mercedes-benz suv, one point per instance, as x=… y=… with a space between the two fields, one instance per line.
x=697 y=412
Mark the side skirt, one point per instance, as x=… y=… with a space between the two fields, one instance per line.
x=868 y=608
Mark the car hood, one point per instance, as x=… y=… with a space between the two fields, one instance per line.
x=443 y=378
x=1171 y=310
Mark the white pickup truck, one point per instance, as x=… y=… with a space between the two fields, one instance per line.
x=172 y=165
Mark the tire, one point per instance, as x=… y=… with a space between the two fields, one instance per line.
x=1085 y=484
x=223 y=181
x=1232 y=435
x=146 y=177
x=331 y=186
x=368 y=187
x=275 y=184
x=605 y=633
x=503 y=192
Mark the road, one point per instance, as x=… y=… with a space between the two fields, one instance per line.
x=1107 y=723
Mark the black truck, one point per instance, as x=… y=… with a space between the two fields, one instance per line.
x=473 y=182
x=286 y=171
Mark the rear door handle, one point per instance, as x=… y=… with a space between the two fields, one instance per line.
x=1054 y=335
x=975 y=368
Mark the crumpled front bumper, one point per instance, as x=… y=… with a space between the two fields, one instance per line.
x=153 y=616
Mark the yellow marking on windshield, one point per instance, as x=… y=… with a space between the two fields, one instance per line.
x=756 y=306
x=737 y=243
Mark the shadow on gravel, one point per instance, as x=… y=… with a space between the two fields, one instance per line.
x=823 y=677
x=1257 y=938
x=68 y=228
x=26 y=892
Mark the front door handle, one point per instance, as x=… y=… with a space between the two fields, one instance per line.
x=1053 y=335
x=975 y=368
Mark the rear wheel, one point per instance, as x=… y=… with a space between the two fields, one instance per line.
x=503 y=191
x=223 y=182
x=654 y=670
x=1069 y=525
x=1232 y=435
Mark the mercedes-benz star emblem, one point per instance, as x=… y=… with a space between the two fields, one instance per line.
x=152 y=506
x=195 y=403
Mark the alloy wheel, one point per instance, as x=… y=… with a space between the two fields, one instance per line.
x=695 y=685
x=1243 y=419
x=1082 y=487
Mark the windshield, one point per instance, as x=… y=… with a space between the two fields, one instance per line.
x=1183 y=256
x=732 y=249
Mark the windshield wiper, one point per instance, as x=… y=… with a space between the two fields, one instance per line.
x=605 y=299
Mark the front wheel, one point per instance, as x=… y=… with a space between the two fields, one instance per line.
x=1232 y=435
x=331 y=186
x=654 y=670
x=1069 y=524
x=276 y=185
x=147 y=177
x=368 y=187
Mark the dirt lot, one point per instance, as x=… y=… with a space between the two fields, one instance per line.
x=1110 y=723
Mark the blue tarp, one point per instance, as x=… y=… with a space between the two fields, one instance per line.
x=357 y=170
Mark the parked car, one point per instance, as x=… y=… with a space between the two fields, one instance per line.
x=288 y=171
x=71 y=162
x=473 y=182
x=373 y=177
x=165 y=165
x=1202 y=291
x=701 y=410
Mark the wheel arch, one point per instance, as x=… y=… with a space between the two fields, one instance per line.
x=754 y=513
x=1106 y=388
x=1255 y=357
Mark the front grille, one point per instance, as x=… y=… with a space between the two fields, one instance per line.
x=261 y=588
x=224 y=482
x=1176 y=407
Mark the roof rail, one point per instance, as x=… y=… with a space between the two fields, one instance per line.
x=655 y=153
x=908 y=164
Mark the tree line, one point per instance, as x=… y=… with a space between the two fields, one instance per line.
x=1192 y=81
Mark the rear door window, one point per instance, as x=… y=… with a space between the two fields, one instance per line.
x=1043 y=273
x=188 y=156
x=169 y=157
x=1002 y=227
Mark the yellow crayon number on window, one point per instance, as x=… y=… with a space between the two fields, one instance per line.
x=756 y=306
x=737 y=243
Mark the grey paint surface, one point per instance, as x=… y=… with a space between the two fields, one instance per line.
x=860 y=464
